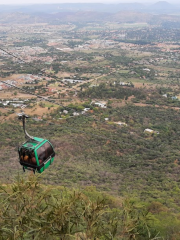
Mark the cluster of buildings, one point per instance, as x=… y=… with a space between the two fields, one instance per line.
x=96 y=44
x=72 y=80
x=27 y=53
x=123 y=83
x=76 y=113
x=14 y=102
x=91 y=44
x=4 y=86
x=28 y=78
x=98 y=104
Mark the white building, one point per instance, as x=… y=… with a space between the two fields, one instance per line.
x=121 y=123
x=65 y=111
x=86 y=109
x=147 y=130
x=102 y=105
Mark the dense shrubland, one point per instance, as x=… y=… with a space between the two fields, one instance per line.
x=29 y=210
x=138 y=95
x=119 y=92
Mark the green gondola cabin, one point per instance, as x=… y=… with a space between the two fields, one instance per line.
x=35 y=154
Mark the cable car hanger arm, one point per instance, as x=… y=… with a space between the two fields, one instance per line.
x=23 y=117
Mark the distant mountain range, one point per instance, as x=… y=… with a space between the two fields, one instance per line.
x=160 y=13
x=89 y=16
x=161 y=7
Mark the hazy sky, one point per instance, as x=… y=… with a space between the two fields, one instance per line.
x=79 y=1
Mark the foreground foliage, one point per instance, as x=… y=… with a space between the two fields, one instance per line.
x=29 y=210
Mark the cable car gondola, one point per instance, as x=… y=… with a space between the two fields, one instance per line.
x=35 y=154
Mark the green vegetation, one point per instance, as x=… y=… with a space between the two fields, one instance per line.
x=30 y=210
x=118 y=92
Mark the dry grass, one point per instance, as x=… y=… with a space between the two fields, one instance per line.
x=8 y=94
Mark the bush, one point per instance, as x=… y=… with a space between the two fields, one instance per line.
x=29 y=210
